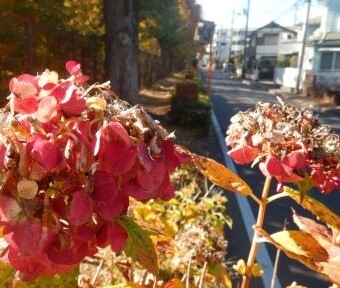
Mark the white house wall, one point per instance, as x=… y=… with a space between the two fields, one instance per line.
x=266 y=50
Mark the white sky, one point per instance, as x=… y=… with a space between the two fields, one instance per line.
x=261 y=12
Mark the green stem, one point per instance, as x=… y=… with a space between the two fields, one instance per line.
x=259 y=223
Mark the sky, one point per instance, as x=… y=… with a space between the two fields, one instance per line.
x=261 y=12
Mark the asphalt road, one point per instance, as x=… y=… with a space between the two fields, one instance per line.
x=228 y=97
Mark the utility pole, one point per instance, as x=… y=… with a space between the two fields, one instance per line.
x=231 y=34
x=245 y=42
x=298 y=79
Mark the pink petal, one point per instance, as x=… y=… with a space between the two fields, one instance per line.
x=46 y=154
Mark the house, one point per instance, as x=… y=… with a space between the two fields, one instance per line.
x=263 y=50
x=323 y=69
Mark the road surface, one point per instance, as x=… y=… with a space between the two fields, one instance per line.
x=228 y=97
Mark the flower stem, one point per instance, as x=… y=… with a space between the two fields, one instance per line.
x=259 y=223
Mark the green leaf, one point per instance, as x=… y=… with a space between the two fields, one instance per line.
x=315 y=207
x=305 y=186
x=65 y=280
x=221 y=273
x=6 y=271
x=139 y=245
x=257 y=270
x=240 y=267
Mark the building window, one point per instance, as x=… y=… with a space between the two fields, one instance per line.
x=337 y=61
x=330 y=61
x=271 y=39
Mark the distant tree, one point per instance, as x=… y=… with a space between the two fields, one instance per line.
x=121 y=46
x=172 y=23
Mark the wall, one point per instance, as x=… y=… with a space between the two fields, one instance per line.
x=285 y=77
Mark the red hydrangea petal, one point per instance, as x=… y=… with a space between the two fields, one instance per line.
x=110 y=210
x=29 y=267
x=112 y=234
x=154 y=178
x=24 y=89
x=134 y=189
x=81 y=208
x=119 y=159
x=297 y=159
x=168 y=153
x=47 y=109
x=75 y=105
x=144 y=156
x=25 y=105
x=46 y=154
x=66 y=250
x=28 y=236
x=243 y=153
x=166 y=190
x=73 y=67
x=117 y=132
x=2 y=155
x=9 y=209
x=104 y=187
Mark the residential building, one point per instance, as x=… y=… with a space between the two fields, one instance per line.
x=324 y=46
x=228 y=44
x=263 y=50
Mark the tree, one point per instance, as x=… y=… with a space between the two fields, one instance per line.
x=121 y=44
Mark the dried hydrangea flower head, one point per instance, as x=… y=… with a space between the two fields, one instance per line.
x=71 y=155
x=288 y=142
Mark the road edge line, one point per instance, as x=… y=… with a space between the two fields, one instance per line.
x=263 y=257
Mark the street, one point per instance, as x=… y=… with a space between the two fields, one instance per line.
x=228 y=97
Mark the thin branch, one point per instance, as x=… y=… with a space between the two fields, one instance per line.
x=257 y=200
x=187 y=282
x=276 y=196
x=200 y=285
x=155 y=283
x=100 y=266
x=277 y=258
